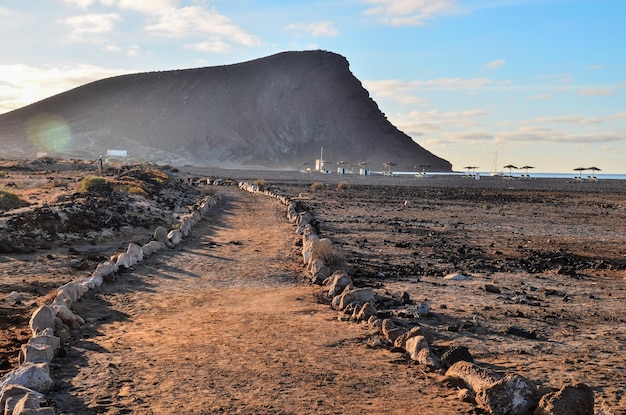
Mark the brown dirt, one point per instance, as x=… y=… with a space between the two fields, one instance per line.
x=227 y=324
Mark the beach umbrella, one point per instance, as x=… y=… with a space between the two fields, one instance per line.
x=526 y=168
x=594 y=170
x=580 y=170
x=388 y=165
x=510 y=167
x=470 y=168
x=423 y=167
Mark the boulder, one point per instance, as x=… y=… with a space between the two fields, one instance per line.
x=356 y=296
x=416 y=344
x=135 y=251
x=160 y=235
x=28 y=404
x=427 y=358
x=175 y=237
x=400 y=342
x=338 y=282
x=35 y=376
x=11 y=394
x=68 y=317
x=52 y=341
x=570 y=400
x=147 y=249
x=105 y=268
x=43 y=318
x=124 y=261
x=456 y=354
x=511 y=395
x=71 y=291
x=36 y=353
x=368 y=310
x=391 y=330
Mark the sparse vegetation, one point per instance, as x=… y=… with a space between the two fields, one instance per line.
x=9 y=200
x=138 y=191
x=317 y=186
x=92 y=183
x=3 y=173
x=342 y=185
x=331 y=256
x=261 y=183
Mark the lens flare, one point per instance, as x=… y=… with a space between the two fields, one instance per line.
x=49 y=132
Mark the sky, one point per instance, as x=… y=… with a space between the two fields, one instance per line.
x=481 y=83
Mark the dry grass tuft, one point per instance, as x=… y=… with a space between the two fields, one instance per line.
x=332 y=257
x=342 y=185
x=9 y=200
x=317 y=186
x=91 y=183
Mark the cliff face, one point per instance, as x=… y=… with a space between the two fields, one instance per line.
x=274 y=112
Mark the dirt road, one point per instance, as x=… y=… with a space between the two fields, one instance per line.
x=225 y=324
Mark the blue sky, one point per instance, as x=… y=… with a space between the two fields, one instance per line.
x=539 y=82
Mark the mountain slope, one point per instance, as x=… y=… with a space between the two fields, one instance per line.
x=276 y=111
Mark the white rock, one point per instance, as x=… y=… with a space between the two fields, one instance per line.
x=35 y=376
x=42 y=318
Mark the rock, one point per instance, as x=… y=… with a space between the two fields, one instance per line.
x=147 y=249
x=494 y=289
x=43 y=318
x=52 y=341
x=356 y=296
x=427 y=358
x=513 y=395
x=455 y=276
x=66 y=315
x=367 y=311
x=320 y=275
x=72 y=291
x=160 y=235
x=338 y=282
x=466 y=395
x=570 y=400
x=175 y=237
x=35 y=376
x=400 y=342
x=456 y=354
x=135 y=252
x=36 y=353
x=105 y=268
x=124 y=261
x=29 y=404
x=391 y=330
x=11 y=394
x=414 y=345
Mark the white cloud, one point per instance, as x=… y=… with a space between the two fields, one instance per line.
x=133 y=51
x=23 y=85
x=405 y=91
x=540 y=97
x=83 y=4
x=566 y=119
x=199 y=22
x=410 y=12
x=597 y=67
x=142 y=6
x=91 y=24
x=595 y=92
x=316 y=29
x=495 y=64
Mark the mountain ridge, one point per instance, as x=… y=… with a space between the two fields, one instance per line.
x=274 y=112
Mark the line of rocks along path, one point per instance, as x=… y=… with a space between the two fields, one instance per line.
x=225 y=324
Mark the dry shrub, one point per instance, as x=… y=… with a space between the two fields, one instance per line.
x=138 y=191
x=3 y=173
x=332 y=258
x=92 y=183
x=342 y=185
x=317 y=186
x=9 y=200
x=261 y=183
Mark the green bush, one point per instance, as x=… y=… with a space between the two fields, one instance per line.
x=136 y=190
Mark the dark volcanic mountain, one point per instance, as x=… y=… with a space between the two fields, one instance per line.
x=275 y=112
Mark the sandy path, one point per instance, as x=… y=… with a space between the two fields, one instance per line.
x=225 y=325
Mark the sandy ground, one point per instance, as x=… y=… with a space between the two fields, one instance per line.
x=227 y=323
x=224 y=325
